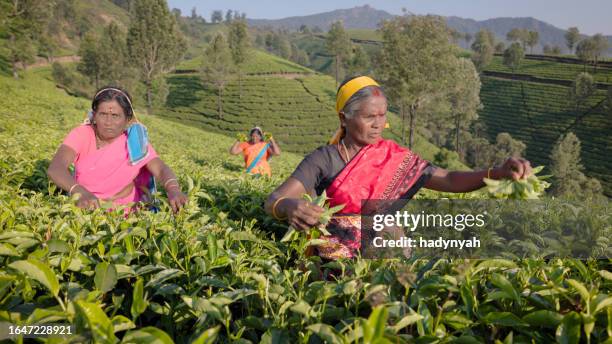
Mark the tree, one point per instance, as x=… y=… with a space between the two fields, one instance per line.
x=513 y=56
x=228 y=16
x=284 y=46
x=556 y=50
x=46 y=47
x=506 y=146
x=533 y=37
x=582 y=88
x=500 y=47
x=301 y=57
x=456 y=36
x=194 y=13
x=239 y=43
x=23 y=23
x=217 y=67
x=112 y=50
x=600 y=45
x=416 y=64
x=464 y=98
x=154 y=41
x=572 y=36
x=608 y=104
x=569 y=180
x=216 y=17
x=338 y=44
x=483 y=49
x=91 y=61
x=481 y=154
x=519 y=35
x=468 y=38
x=304 y=29
x=443 y=158
x=586 y=50
x=359 y=62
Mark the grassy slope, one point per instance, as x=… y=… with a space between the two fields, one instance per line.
x=207 y=280
x=258 y=62
x=538 y=114
x=552 y=70
x=298 y=111
x=36 y=94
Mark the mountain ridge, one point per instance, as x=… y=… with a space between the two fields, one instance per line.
x=368 y=17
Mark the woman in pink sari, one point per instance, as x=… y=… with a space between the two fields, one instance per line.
x=106 y=166
x=359 y=165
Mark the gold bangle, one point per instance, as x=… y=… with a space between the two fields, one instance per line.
x=72 y=188
x=274 y=209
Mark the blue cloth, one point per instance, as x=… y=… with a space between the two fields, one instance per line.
x=138 y=148
x=258 y=157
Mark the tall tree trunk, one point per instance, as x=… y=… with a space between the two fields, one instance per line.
x=337 y=63
x=413 y=108
x=403 y=114
x=220 y=103
x=457 y=135
x=14 y=57
x=149 y=96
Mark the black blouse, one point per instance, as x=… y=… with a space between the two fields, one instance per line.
x=319 y=169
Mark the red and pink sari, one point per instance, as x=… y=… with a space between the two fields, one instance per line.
x=381 y=171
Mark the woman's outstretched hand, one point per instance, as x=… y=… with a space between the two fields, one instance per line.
x=302 y=214
x=176 y=198
x=514 y=168
x=86 y=200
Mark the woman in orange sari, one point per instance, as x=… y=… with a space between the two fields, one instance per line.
x=256 y=152
x=359 y=165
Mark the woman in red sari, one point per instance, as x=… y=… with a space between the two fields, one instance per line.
x=256 y=152
x=359 y=164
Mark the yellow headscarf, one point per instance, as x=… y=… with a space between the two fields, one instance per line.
x=344 y=94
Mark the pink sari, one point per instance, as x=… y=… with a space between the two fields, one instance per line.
x=381 y=171
x=108 y=170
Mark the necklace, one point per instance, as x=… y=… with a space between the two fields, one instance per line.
x=345 y=151
x=99 y=142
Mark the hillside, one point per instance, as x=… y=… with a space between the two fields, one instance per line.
x=216 y=271
x=363 y=17
x=553 y=70
x=366 y=17
x=294 y=103
x=538 y=114
x=505 y=104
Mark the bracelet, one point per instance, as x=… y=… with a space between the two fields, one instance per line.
x=274 y=209
x=169 y=180
x=72 y=188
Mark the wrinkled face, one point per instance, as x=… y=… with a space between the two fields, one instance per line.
x=366 y=126
x=255 y=137
x=110 y=120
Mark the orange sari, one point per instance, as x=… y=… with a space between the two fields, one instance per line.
x=250 y=152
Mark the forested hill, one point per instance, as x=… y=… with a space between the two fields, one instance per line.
x=367 y=17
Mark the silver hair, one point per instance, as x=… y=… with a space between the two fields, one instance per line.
x=353 y=105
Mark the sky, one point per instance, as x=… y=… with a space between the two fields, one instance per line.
x=590 y=16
